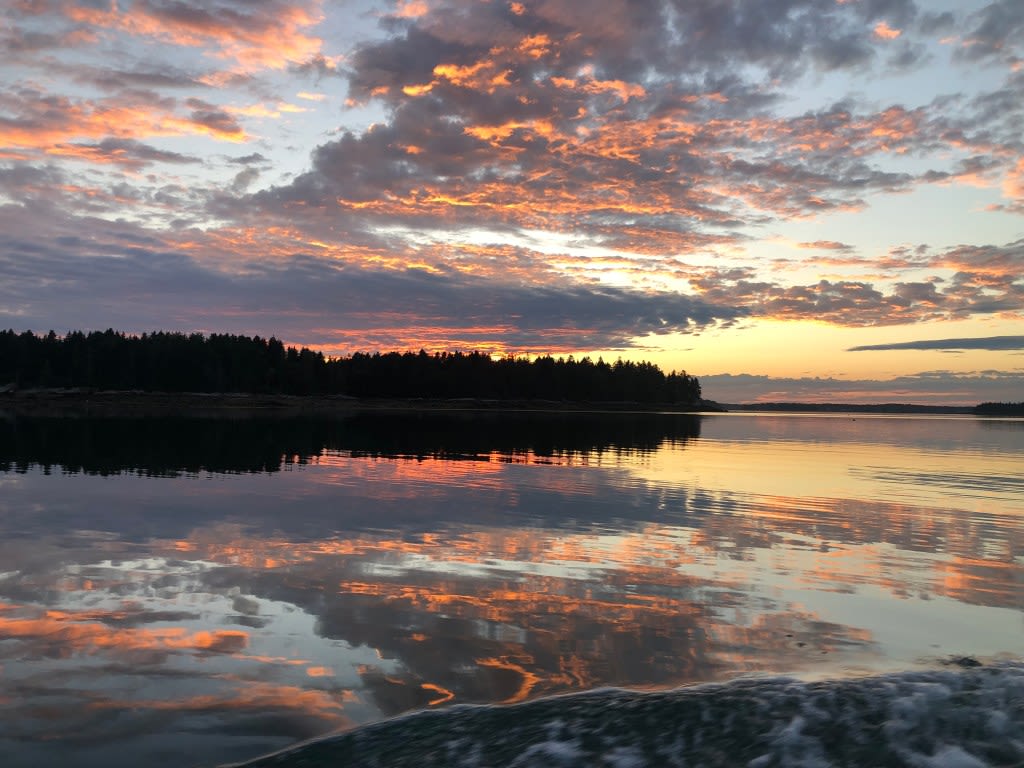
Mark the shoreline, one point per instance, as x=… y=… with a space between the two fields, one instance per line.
x=79 y=402
x=108 y=402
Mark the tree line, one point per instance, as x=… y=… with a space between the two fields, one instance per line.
x=999 y=409
x=178 y=362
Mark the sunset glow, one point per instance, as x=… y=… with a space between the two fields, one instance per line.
x=818 y=201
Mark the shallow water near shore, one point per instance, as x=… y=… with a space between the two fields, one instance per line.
x=189 y=592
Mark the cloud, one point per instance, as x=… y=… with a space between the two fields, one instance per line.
x=214 y=120
x=244 y=179
x=884 y=31
x=633 y=128
x=105 y=275
x=995 y=33
x=826 y=245
x=250 y=159
x=127 y=153
x=986 y=279
x=267 y=34
x=37 y=120
x=996 y=343
x=19 y=42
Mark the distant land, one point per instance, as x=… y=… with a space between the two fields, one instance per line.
x=849 y=407
x=228 y=365
x=983 y=409
x=999 y=409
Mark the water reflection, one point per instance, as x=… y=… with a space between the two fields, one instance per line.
x=388 y=567
x=166 y=446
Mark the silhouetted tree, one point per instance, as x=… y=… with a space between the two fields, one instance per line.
x=177 y=362
x=999 y=409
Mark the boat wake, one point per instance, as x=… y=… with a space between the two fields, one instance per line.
x=945 y=718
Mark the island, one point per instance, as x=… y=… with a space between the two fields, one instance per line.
x=170 y=369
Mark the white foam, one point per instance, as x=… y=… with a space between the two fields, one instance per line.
x=551 y=753
x=952 y=757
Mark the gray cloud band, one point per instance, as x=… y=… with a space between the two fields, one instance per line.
x=992 y=343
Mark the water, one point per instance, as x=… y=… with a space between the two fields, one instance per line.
x=189 y=592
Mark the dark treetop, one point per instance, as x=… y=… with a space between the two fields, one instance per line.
x=999 y=409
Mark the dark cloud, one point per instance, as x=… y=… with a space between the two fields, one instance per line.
x=22 y=180
x=907 y=56
x=214 y=118
x=630 y=40
x=143 y=77
x=996 y=31
x=403 y=61
x=318 y=66
x=107 y=280
x=244 y=179
x=254 y=158
x=14 y=41
x=933 y=24
x=126 y=153
x=235 y=16
x=994 y=343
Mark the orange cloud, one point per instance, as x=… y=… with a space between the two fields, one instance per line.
x=268 y=39
x=262 y=110
x=417 y=90
x=534 y=46
x=46 y=122
x=498 y=133
x=1013 y=185
x=483 y=76
x=412 y=9
x=625 y=91
x=885 y=32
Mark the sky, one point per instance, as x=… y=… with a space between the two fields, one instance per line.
x=790 y=199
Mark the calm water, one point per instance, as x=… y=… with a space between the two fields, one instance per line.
x=191 y=592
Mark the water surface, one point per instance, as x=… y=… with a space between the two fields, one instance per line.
x=193 y=591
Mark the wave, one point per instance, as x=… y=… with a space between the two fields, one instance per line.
x=939 y=718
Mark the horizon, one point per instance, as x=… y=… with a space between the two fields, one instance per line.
x=814 y=201
x=763 y=401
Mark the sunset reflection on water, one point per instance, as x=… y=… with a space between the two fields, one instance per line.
x=250 y=609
